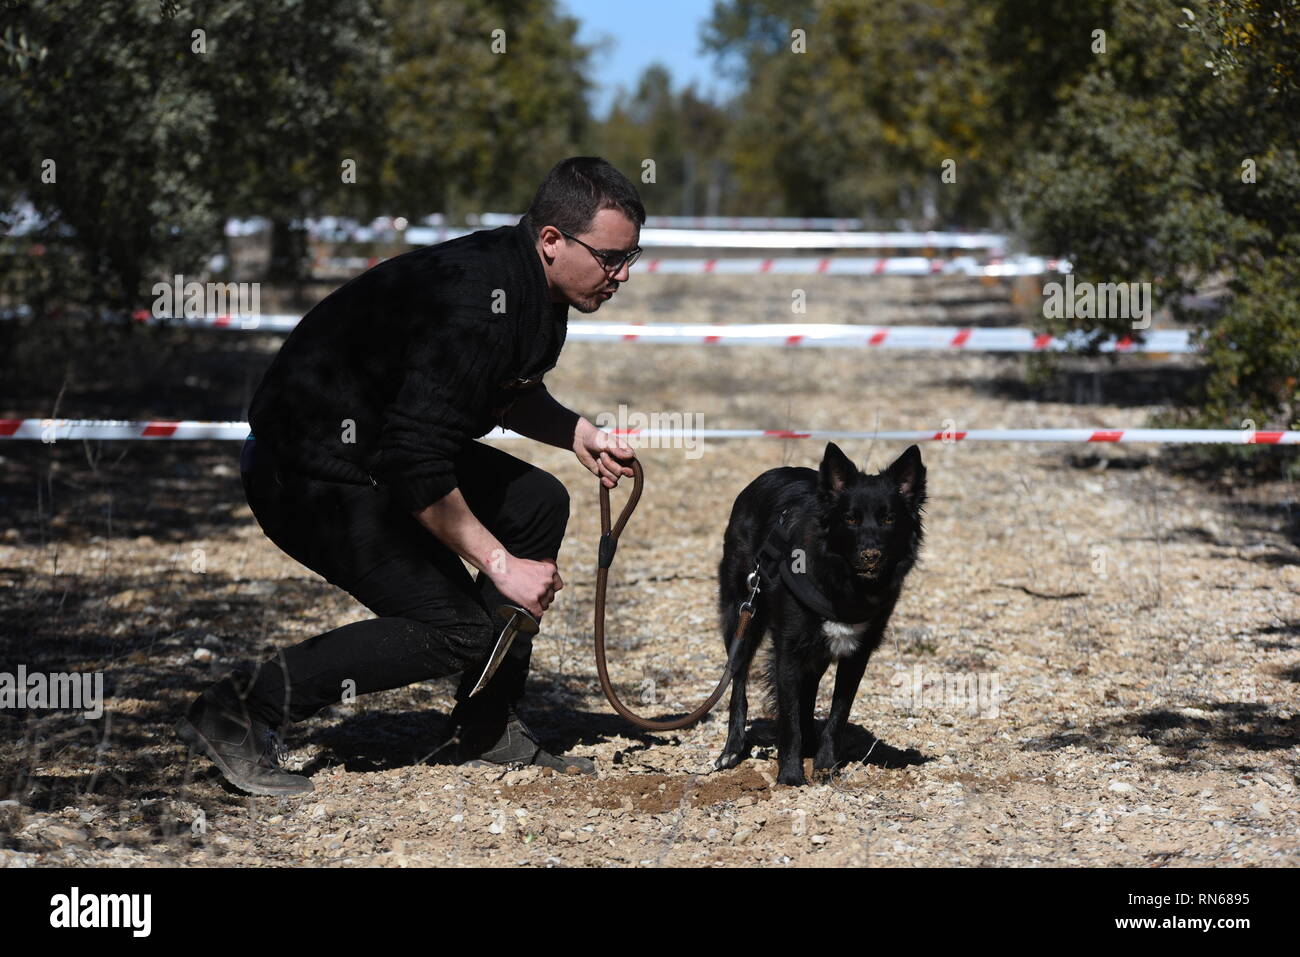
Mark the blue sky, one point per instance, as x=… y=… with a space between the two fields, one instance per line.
x=641 y=33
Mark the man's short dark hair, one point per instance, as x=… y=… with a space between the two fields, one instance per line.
x=575 y=190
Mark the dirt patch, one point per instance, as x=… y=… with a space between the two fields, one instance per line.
x=650 y=792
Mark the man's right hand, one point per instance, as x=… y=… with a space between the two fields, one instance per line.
x=531 y=585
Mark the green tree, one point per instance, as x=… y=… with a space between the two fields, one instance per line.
x=1173 y=160
x=295 y=86
x=155 y=131
x=680 y=131
x=867 y=108
x=482 y=100
x=1145 y=142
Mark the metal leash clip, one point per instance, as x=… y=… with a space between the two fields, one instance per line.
x=752 y=582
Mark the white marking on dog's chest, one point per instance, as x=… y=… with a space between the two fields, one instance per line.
x=842 y=637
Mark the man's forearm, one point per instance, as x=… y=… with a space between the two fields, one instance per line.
x=538 y=416
x=451 y=522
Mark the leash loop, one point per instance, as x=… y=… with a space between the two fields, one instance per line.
x=605 y=557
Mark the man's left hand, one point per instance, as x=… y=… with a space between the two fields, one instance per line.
x=599 y=452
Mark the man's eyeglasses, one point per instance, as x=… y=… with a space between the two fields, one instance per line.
x=611 y=260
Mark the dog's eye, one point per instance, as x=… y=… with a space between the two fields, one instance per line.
x=887 y=518
x=850 y=519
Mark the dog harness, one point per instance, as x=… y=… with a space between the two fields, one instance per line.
x=773 y=564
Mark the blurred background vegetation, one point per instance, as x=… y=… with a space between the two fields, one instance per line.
x=1144 y=141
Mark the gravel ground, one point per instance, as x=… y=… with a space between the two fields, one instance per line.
x=1098 y=655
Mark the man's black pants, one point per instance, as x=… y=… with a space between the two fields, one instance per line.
x=434 y=619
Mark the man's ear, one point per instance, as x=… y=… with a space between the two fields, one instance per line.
x=549 y=239
x=836 y=469
x=908 y=473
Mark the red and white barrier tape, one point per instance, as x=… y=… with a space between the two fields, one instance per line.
x=794 y=266
x=1160 y=436
x=660 y=238
x=812 y=239
x=52 y=430
x=761 y=239
x=829 y=335
x=790 y=335
x=785 y=233
x=857 y=266
x=335 y=228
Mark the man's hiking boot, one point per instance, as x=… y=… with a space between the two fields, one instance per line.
x=517 y=745
x=245 y=750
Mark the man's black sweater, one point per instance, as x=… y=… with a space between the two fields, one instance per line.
x=392 y=374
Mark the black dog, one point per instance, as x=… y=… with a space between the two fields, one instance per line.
x=835 y=546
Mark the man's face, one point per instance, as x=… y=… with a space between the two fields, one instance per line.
x=574 y=273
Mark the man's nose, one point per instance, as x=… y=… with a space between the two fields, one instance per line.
x=624 y=273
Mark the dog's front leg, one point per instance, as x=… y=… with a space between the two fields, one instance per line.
x=733 y=752
x=789 y=734
x=808 y=713
x=847 y=678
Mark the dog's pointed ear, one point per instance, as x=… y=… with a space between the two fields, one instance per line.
x=908 y=473
x=836 y=469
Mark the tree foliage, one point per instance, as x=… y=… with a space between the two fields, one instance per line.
x=481 y=101
x=1146 y=142
x=1173 y=160
x=680 y=131
x=162 y=120
x=158 y=134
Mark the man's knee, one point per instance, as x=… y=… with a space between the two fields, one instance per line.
x=550 y=501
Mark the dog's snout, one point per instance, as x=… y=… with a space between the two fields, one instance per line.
x=868 y=564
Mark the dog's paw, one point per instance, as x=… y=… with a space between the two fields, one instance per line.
x=728 y=759
x=825 y=761
x=793 y=778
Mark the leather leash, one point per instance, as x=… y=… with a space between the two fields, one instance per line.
x=608 y=545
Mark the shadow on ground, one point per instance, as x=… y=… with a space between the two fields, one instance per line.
x=1183 y=735
x=1149 y=383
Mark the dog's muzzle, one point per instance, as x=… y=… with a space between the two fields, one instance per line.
x=868 y=564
